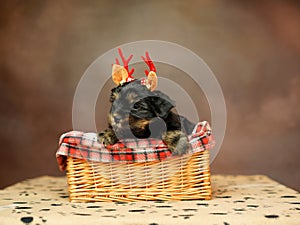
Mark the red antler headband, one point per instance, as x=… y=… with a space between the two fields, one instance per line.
x=125 y=61
x=150 y=64
x=125 y=64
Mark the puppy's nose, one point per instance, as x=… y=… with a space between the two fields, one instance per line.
x=117 y=118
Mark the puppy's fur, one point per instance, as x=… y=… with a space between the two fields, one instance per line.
x=137 y=112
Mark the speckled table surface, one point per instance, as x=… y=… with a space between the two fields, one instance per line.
x=236 y=200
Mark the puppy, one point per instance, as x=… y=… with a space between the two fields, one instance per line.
x=140 y=111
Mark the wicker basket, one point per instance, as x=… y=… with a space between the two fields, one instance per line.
x=176 y=178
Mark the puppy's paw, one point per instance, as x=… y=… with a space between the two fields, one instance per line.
x=107 y=137
x=177 y=142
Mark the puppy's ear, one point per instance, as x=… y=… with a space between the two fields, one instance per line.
x=119 y=74
x=162 y=104
x=151 y=81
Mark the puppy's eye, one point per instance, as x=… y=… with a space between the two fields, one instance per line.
x=136 y=106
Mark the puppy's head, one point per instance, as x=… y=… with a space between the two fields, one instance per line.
x=134 y=107
x=134 y=102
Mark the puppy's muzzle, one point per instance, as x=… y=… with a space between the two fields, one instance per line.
x=117 y=119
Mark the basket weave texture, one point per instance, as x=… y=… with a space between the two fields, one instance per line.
x=97 y=173
x=177 y=178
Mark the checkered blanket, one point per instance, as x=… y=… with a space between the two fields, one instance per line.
x=85 y=146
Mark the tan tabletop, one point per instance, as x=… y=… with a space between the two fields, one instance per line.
x=236 y=200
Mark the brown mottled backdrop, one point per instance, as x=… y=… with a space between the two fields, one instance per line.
x=253 y=49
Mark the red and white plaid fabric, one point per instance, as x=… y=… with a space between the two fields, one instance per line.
x=85 y=146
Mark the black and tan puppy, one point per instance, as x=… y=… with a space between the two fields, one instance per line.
x=139 y=111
